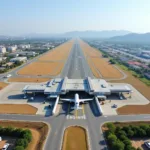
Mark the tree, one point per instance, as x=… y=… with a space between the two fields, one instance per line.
x=118 y=145
x=22 y=142
x=111 y=127
x=111 y=139
x=130 y=133
x=18 y=148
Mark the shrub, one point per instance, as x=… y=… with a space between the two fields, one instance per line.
x=22 y=142
x=18 y=148
x=111 y=139
x=118 y=145
x=111 y=127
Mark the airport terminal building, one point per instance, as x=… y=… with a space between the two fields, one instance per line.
x=96 y=87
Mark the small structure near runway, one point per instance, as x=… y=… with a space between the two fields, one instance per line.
x=98 y=88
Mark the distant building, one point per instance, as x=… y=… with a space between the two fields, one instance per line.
x=2 y=49
x=12 y=48
x=23 y=53
x=2 y=58
x=147 y=75
x=24 y=46
x=23 y=59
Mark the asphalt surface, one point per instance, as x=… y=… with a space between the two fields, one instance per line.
x=76 y=67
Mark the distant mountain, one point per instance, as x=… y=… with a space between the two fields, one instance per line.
x=96 y=34
x=84 y=34
x=133 y=37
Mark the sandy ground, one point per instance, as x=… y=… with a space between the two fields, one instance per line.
x=134 y=109
x=17 y=109
x=38 y=80
x=75 y=139
x=39 y=132
x=42 y=68
x=3 y=85
x=59 y=53
x=137 y=142
x=106 y=70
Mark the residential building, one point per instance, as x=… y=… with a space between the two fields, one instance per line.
x=2 y=49
x=24 y=46
x=12 y=48
x=23 y=59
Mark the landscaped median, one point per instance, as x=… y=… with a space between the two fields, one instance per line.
x=75 y=137
x=28 y=135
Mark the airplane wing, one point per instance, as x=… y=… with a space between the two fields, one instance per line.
x=83 y=100
x=67 y=100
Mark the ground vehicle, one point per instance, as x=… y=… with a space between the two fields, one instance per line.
x=8 y=76
x=147 y=144
x=114 y=106
x=32 y=98
x=5 y=147
x=0 y=138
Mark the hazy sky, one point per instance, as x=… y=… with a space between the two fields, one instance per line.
x=55 y=16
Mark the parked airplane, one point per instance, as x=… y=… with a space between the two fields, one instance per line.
x=76 y=101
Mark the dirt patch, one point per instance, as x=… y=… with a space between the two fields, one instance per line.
x=39 y=132
x=38 y=80
x=2 y=85
x=59 y=53
x=138 y=142
x=17 y=109
x=136 y=83
x=75 y=138
x=42 y=68
x=134 y=109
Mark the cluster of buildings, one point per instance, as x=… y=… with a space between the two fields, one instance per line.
x=13 y=48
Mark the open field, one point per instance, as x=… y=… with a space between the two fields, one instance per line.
x=3 y=85
x=38 y=80
x=42 y=68
x=39 y=132
x=59 y=53
x=100 y=67
x=139 y=85
x=88 y=50
x=134 y=109
x=17 y=109
x=106 y=70
x=75 y=139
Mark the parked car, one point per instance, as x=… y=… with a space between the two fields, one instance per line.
x=5 y=147
x=8 y=76
x=147 y=144
x=114 y=106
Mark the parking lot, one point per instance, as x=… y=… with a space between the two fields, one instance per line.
x=136 y=98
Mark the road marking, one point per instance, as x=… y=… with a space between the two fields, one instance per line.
x=76 y=113
x=83 y=109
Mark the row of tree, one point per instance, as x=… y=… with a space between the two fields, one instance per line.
x=24 y=136
x=118 y=138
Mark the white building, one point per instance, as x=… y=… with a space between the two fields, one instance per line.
x=24 y=46
x=2 y=49
x=23 y=59
x=12 y=48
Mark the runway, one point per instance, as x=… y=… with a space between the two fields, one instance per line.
x=76 y=66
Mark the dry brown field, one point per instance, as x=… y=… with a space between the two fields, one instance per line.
x=88 y=50
x=42 y=68
x=136 y=83
x=106 y=70
x=17 y=109
x=96 y=62
x=38 y=80
x=2 y=85
x=134 y=109
x=75 y=139
x=59 y=53
x=39 y=132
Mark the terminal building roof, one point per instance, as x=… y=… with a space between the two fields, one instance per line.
x=92 y=86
